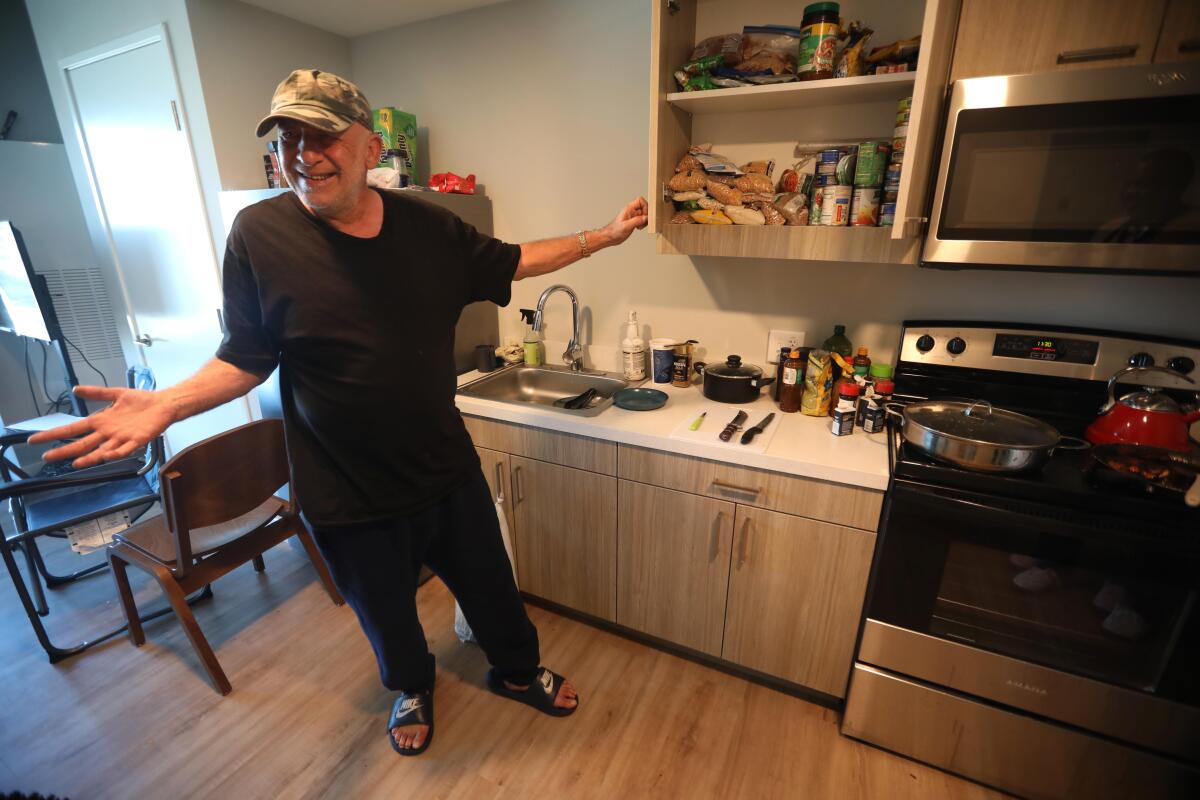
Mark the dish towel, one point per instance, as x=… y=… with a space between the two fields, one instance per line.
x=461 y=629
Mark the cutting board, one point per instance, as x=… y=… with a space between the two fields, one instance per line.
x=718 y=417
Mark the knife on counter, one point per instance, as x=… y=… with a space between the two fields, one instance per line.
x=734 y=424
x=750 y=433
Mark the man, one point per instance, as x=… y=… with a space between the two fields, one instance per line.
x=354 y=294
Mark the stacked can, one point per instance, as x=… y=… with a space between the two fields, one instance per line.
x=868 y=177
x=891 y=181
x=832 y=187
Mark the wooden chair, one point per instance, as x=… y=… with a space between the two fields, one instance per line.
x=220 y=510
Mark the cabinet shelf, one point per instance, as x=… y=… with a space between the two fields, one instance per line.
x=804 y=243
x=800 y=94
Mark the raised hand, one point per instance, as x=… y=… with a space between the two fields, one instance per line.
x=129 y=424
x=630 y=218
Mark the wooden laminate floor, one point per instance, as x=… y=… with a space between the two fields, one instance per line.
x=307 y=713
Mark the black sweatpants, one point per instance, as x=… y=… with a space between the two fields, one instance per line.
x=376 y=566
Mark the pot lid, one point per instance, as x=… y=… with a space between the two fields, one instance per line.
x=979 y=422
x=734 y=368
x=1150 y=399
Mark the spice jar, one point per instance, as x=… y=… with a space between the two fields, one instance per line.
x=818 y=41
x=842 y=422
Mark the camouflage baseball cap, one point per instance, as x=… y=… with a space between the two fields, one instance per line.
x=320 y=99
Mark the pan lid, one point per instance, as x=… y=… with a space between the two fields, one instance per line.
x=979 y=422
x=734 y=368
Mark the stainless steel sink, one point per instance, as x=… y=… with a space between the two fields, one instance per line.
x=541 y=386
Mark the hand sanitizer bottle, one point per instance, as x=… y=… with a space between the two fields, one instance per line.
x=533 y=340
x=633 y=351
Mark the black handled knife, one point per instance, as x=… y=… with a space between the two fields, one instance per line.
x=734 y=424
x=750 y=433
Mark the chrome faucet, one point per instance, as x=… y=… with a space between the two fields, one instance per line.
x=573 y=356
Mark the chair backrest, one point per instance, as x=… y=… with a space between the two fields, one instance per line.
x=221 y=478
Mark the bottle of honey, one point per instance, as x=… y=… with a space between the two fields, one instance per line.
x=791 y=386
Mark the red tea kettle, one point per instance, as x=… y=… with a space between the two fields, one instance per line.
x=1147 y=417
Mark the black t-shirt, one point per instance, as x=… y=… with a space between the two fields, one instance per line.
x=363 y=333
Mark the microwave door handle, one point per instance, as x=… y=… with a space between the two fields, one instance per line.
x=1097 y=54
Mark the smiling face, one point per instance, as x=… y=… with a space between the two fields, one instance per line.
x=328 y=171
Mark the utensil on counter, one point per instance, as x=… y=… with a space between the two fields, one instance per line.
x=640 y=399
x=734 y=425
x=1149 y=468
x=733 y=381
x=750 y=433
x=976 y=436
x=695 y=426
x=1148 y=417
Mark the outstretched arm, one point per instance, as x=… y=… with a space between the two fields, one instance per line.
x=547 y=255
x=137 y=416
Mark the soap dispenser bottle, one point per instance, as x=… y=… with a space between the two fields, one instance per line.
x=633 y=351
x=533 y=340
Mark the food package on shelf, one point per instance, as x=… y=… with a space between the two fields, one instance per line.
x=898 y=56
x=688 y=181
x=740 y=215
x=754 y=182
x=682 y=218
x=850 y=62
x=793 y=206
x=726 y=194
x=770 y=213
x=726 y=45
x=711 y=217
x=770 y=49
x=759 y=167
x=398 y=129
x=451 y=183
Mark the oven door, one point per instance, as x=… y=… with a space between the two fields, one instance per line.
x=1041 y=610
x=1087 y=169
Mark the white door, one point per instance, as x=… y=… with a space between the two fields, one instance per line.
x=146 y=186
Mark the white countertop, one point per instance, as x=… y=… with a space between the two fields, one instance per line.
x=802 y=446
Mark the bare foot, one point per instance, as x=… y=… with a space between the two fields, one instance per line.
x=567 y=697
x=410 y=737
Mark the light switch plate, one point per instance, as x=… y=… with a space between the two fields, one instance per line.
x=777 y=339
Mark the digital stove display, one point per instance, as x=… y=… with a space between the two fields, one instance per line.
x=1046 y=348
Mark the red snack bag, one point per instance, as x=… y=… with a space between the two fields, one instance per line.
x=449 y=182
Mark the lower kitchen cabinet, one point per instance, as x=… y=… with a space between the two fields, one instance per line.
x=496 y=469
x=796 y=590
x=566 y=535
x=673 y=564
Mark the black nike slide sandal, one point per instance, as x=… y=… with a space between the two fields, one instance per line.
x=412 y=709
x=540 y=694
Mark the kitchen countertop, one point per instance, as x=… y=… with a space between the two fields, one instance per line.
x=802 y=446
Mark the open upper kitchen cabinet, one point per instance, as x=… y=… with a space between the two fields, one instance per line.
x=769 y=122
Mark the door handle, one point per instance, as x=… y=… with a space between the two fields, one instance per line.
x=517 y=487
x=145 y=340
x=499 y=484
x=1097 y=54
x=731 y=487
x=716 y=537
x=745 y=539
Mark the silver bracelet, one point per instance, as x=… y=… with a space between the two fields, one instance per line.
x=583 y=245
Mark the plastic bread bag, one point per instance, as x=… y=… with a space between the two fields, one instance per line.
x=740 y=215
x=770 y=47
x=818 y=382
x=726 y=45
x=711 y=217
x=791 y=205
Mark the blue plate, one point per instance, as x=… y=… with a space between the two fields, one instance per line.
x=640 y=399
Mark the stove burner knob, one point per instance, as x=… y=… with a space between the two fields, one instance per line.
x=925 y=343
x=1141 y=360
x=1181 y=364
x=956 y=346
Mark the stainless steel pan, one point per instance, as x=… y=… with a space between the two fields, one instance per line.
x=974 y=435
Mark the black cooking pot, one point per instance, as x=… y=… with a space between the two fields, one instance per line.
x=733 y=381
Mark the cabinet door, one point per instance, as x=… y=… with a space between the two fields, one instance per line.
x=796 y=590
x=495 y=469
x=1018 y=36
x=673 y=564
x=566 y=535
x=1180 y=38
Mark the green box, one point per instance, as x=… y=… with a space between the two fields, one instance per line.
x=399 y=131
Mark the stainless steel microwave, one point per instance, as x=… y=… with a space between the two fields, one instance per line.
x=1095 y=170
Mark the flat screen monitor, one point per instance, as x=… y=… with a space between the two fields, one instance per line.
x=20 y=311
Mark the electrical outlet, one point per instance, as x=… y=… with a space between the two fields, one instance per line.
x=776 y=339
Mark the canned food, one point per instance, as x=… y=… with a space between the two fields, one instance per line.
x=872 y=163
x=864 y=206
x=892 y=175
x=905 y=104
x=887 y=214
x=824 y=180
x=827 y=168
x=846 y=166
x=814 y=207
x=890 y=194
x=830 y=156
x=898 y=155
x=902 y=117
x=835 y=205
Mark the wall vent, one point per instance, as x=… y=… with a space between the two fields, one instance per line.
x=85 y=313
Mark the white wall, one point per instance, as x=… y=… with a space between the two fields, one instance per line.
x=243 y=52
x=547 y=101
x=22 y=85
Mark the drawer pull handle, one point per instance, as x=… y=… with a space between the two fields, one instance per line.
x=716 y=537
x=499 y=484
x=731 y=487
x=1189 y=46
x=518 y=488
x=745 y=540
x=1097 y=54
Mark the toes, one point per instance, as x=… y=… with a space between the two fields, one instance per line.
x=418 y=739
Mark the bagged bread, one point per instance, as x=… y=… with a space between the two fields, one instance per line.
x=688 y=181
x=740 y=215
x=726 y=194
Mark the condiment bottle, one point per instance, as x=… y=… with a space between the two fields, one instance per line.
x=819 y=28
x=838 y=343
x=842 y=416
x=533 y=340
x=862 y=364
x=791 y=388
x=784 y=352
x=633 y=351
x=877 y=413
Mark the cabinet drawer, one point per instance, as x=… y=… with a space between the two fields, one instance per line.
x=557 y=448
x=791 y=494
